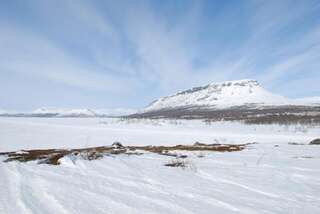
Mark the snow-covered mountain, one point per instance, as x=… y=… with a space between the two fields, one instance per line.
x=70 y=112
x=225 y=95
x=63 y=112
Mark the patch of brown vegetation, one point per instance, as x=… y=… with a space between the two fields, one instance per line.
x=195 y=147
x=52 y=156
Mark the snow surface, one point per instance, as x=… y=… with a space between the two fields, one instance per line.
x=264 y=178
x=225 y=95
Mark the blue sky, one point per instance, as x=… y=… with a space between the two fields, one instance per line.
x=104 y=54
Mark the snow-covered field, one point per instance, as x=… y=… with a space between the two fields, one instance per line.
x=36 y=133
x=271 y=176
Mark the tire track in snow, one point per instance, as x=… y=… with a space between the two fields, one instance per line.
x=34 y=195
x=10 y=183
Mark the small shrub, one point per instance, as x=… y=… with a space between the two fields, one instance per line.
x=183 y=163
x=177 y=163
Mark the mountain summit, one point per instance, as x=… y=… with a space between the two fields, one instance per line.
x=221 y=95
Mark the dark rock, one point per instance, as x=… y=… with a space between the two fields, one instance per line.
x=117 y=145
x=315 y=142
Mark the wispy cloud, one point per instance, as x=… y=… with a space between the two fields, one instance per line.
x=28 y=54
x=124 y=48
